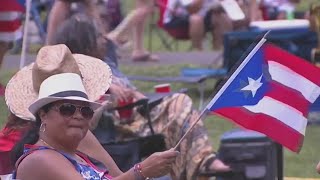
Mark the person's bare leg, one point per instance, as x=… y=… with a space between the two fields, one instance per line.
x=195 y=6
x=126 y=25
x=196 y=30
x=146 y=8
x=282 y=15
x=58 y=14
x=254 y=11
x=221 y=24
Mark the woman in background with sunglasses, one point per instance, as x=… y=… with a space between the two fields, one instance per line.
x=63 y=108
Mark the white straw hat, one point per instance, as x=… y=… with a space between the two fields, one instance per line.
x=23 y=88
x=65 y=86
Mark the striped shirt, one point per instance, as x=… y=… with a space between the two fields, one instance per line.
x=11 y=12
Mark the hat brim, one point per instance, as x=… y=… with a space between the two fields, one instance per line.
x=20 y=94
x=34 y=108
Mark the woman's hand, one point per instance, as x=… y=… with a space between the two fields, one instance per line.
x=105 y=102
x=159 y=163
x=138 y=95
x=125 y=94
x=121 y=93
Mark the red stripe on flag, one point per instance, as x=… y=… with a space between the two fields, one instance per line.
x=11 y=5
x=10 y=26
x=288 y=96
x=265 y=124
x=297 y=64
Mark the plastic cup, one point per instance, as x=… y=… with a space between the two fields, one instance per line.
x=125 y=114
x=162 y=88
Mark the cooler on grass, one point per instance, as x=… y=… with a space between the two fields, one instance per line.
x=252 y=156
x=298 y=40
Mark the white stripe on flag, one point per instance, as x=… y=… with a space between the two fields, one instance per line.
x=10 y=16
x=11 y=36
x=283 y=112
x=289 y=78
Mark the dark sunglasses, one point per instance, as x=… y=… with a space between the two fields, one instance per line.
x=67 y=110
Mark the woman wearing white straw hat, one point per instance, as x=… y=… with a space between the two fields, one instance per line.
x=58 y=92
x=171 y=117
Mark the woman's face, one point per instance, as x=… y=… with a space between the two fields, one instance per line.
x=67 y=120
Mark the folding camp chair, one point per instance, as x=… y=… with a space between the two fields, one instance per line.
x=177 y=34
x=129 y=152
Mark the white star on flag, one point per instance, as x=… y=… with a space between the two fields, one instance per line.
x=253 y=85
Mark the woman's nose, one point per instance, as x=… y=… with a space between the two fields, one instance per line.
x=77 y=114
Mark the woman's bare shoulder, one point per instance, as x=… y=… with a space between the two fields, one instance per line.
x=46 y=164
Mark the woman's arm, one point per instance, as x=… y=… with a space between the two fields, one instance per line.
x=50 y=165
x=156 y=165
x=46 y=164
x=194 y=6
x=59 y=12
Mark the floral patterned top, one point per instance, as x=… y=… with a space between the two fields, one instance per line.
x=88 y=171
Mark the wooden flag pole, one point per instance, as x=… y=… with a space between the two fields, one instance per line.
x=25 y=34
x=192 y=126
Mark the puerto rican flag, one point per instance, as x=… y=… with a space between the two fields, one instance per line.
x=270 y=92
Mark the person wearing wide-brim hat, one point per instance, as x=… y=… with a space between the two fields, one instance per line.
x=58 y=92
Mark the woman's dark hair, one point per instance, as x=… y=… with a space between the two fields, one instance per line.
x=31 y=136
x=79 y=33
x=16 y=123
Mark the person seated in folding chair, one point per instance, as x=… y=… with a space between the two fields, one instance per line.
x=133 y=22
x=192 y=19
x=171 y=117
x=251 y=13
x=278 y=9
x=223 y=22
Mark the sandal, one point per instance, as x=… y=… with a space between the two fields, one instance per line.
x=205 y=167
x=146 y=57
x=206 y=162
